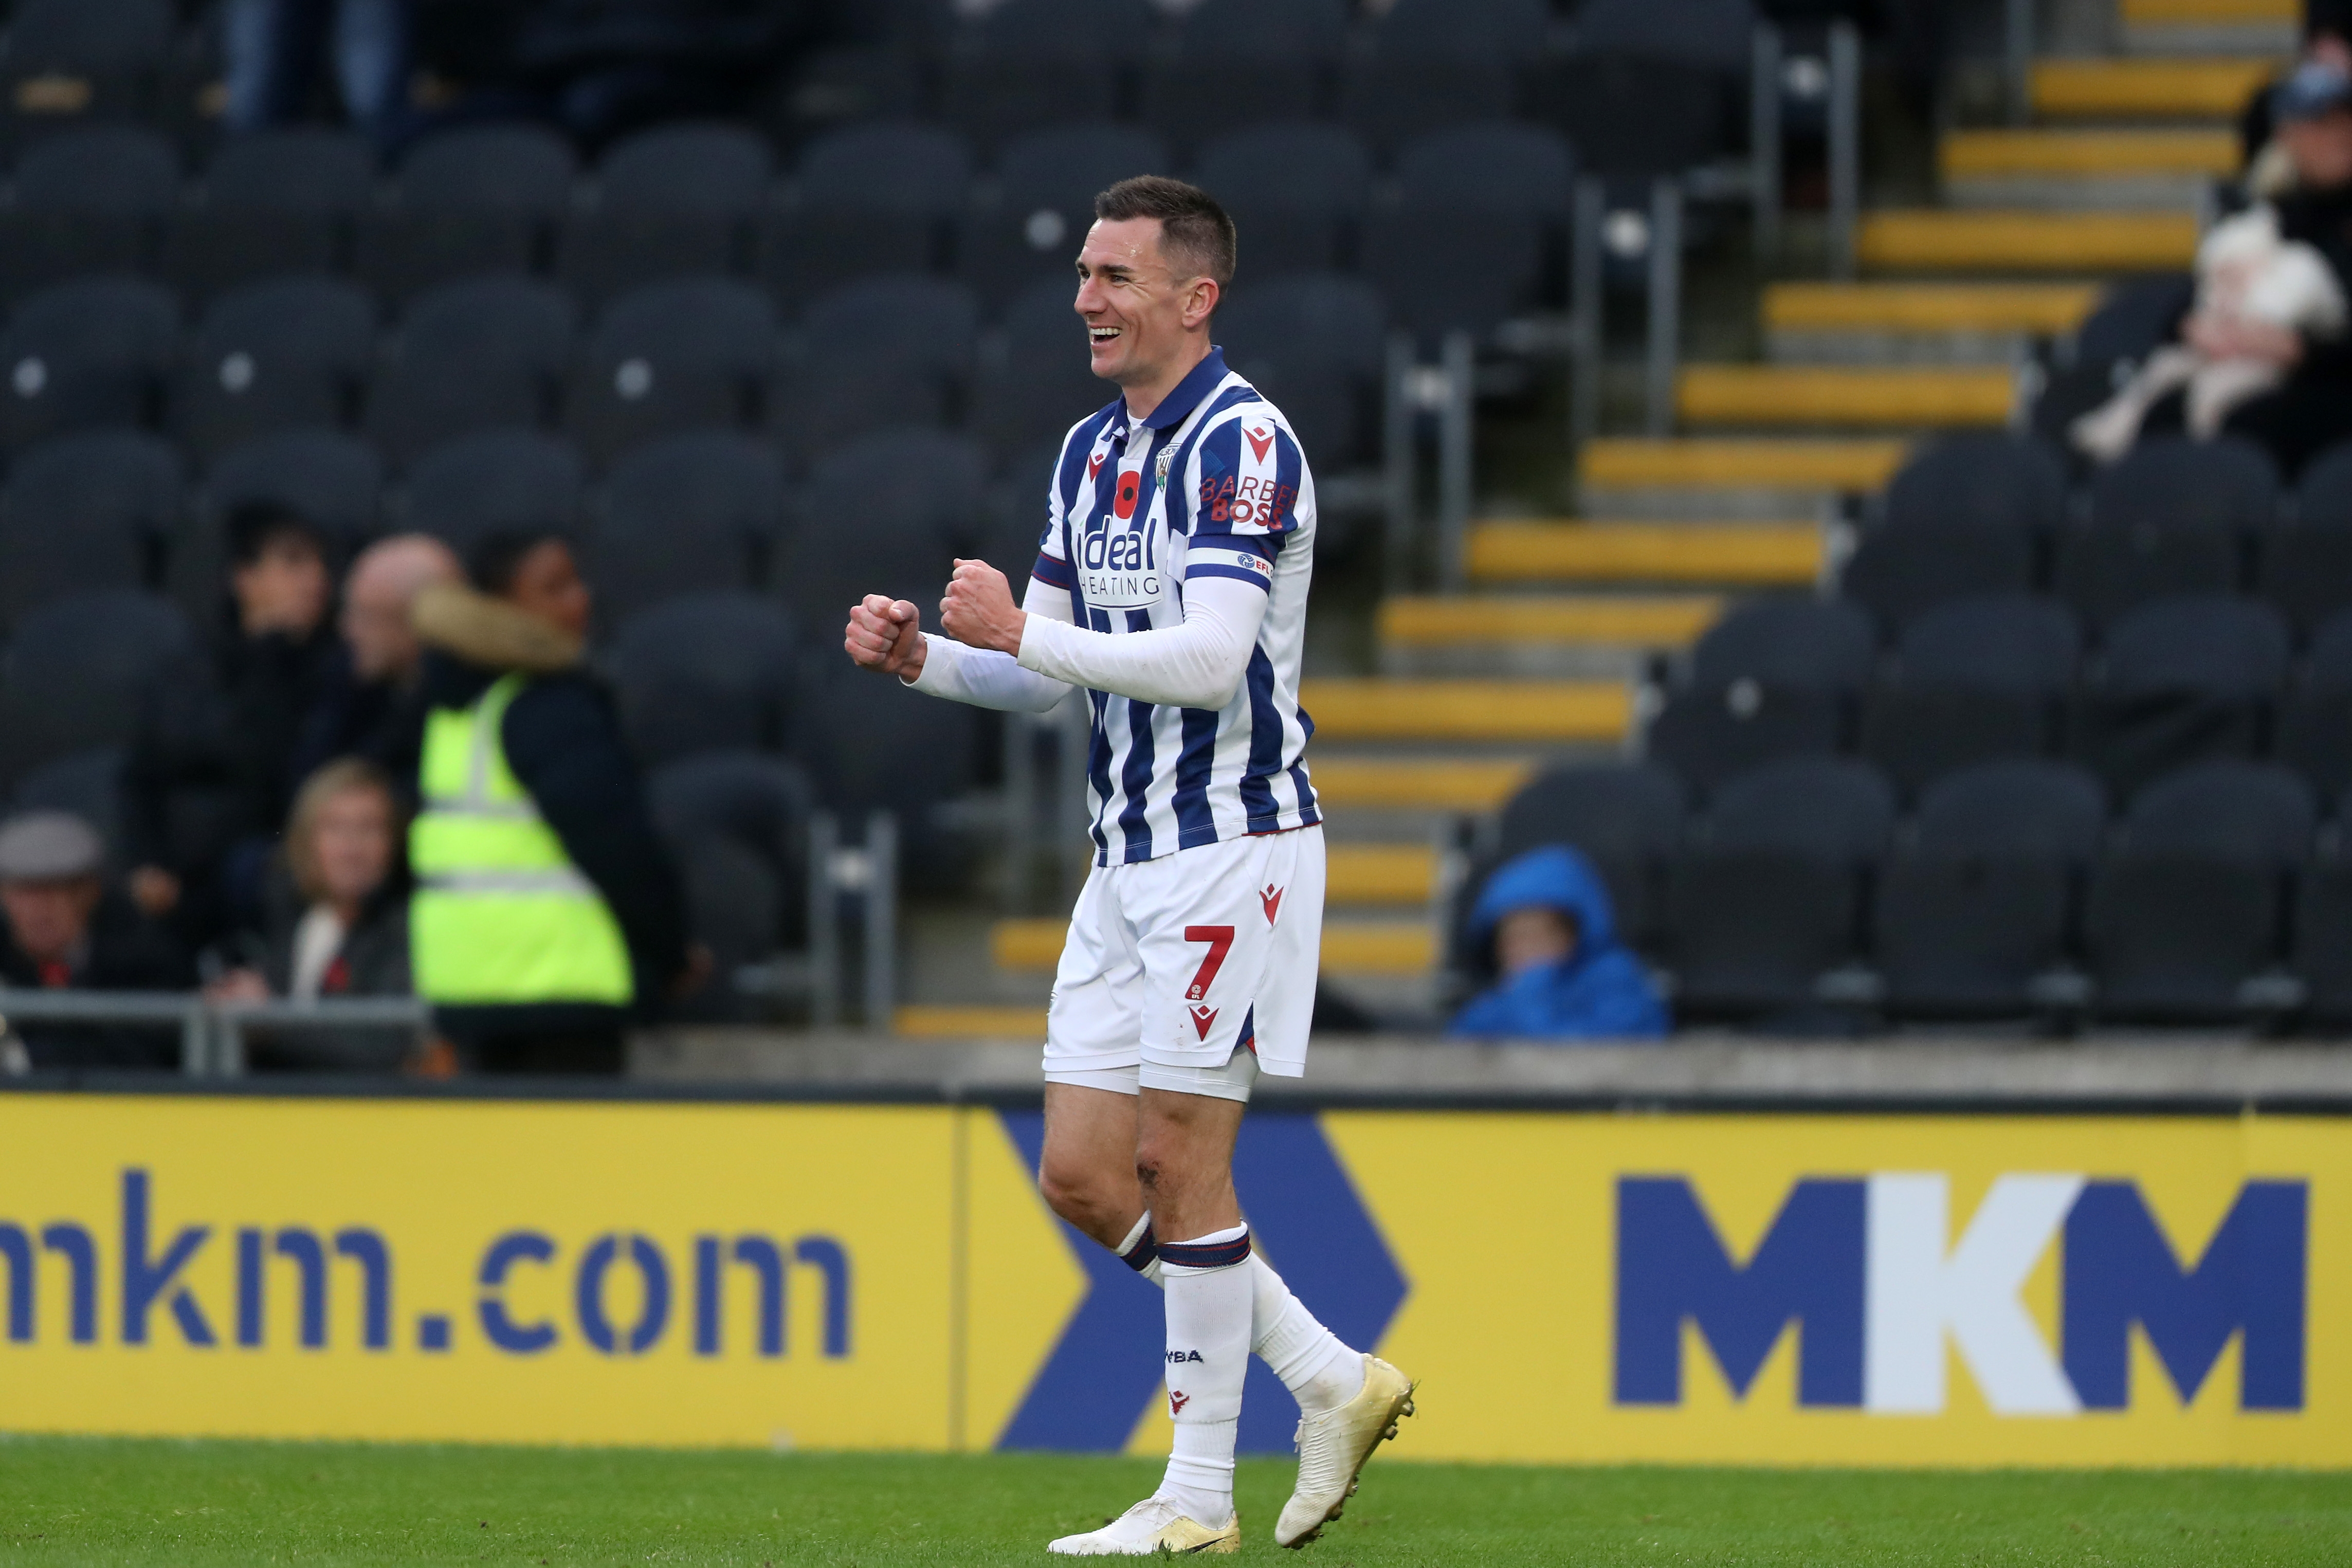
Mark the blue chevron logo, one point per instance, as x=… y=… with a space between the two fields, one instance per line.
x=1306 y=1213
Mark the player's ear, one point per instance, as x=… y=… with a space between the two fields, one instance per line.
x=1201 y=300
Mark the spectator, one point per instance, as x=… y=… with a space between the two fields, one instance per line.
x=1545 y=920
x=275 y=48
x=371 y=696
x=547 y=910
x=608 y=67
x=344 y=930
x=67 y=931
x=207 y=782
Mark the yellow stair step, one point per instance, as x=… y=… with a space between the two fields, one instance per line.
x=1556 y=710
x=2148 y=88
x=1649 y=621
x=2087 y=155
x=1416 y=784
x=1638 y=462
x=1350 y=947
x=1742 y=554
x=1904 y=396
x=2209 y=13
x=969 y=1023
x=1925 y=308
x=1932 y=240
x=1379 y=873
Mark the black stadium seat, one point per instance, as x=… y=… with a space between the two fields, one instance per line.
x=281 y=354
x=2191 y=906
x=2172 y=516
x=1777 y=676
x=674 y=200
x=1235 y=61
x=478 y=199
x=87 y=784
x=895 y=349
x=1975 y=912
x=479 y=354
x=1629 y=817
x=1768 y=898
x=689 y=353
x=336 y=480
x=83 y=514
x=78 y=670
x=68 y=62
x=1042 y=201
x=1298 y=190
x=706 y=672
x=1468 y=240
x=1438 y=63
x=499 y=481
x=737 y=823
x=883 y=198
x=1972 y=514
x=2180 y=679
x=2315 y=721
x=682 y=515
x=887 y=514
x=1034 y=380
x=2322 y=930
x=2305 y=567
x=1652 y=88
x=1316 y=344
x=93 y=199
x=1973 y=679
x=1026 y=63
x=89 y=354
x=273 y=202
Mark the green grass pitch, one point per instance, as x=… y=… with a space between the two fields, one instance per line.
x=76 y=1500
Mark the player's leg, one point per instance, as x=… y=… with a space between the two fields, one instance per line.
x=1087 y=1173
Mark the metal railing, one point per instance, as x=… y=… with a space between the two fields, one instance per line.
x=212 y=1033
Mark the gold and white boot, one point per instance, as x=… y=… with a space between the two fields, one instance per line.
x=1333 y=1447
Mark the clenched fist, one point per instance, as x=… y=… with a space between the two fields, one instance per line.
x=979 y=609
x=886 y=635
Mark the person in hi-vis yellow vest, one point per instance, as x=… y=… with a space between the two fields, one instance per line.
x=546 y=912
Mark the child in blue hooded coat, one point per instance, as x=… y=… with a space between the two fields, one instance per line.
x=1564 y=977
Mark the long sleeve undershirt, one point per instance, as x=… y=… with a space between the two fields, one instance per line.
x=1196 y=664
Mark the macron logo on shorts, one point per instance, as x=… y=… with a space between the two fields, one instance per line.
x=1204 y=1020
x=1271 y=900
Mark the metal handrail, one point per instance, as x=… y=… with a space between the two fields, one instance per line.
x=212 y=1033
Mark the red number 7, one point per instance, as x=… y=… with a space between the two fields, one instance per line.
x=1221 y=942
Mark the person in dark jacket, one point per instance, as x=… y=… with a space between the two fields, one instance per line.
x=206 y=783
x=339 y=922
x=607 y=67
x=67 y=931
x=1546 y=916
x=547 y=912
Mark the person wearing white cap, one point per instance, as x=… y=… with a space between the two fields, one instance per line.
x=66 y=930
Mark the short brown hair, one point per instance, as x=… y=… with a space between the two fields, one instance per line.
x=1195 y=235
x=338 y=777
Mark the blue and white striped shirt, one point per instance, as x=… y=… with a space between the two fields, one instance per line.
x=1212 y=483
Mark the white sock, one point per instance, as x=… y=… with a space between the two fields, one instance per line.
x=1318 y=1367
x=1209 y=1292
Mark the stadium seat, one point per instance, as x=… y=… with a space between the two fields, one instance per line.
x=83 y=514
x=475 y=355
x=1316 y=345
x=1234 y=61
x=1042 y=201
x=1034 y=379
x=2305 y=567
x=1651 y=89
x=2134 y=317
x=737 y=823
x=1972 y=514
x=887 y=514
x=273 y=202
x=1299 y=189
x=335 y=480
x=674 y=200
x=89 y=354
x=1767 y=896
x=275 y=355
x=869 y=198
x=897 y=349
x=2188 y=909
x=682 y=515
x=1776 y=676
x=2180 y=679
x=2173 y=516
x=93 y=199
x=1017 y=507
x=1469 y=239
x=1436 y=63
x=2314 y=720
x=1022 y=64
x=68 y=62
x=2322 y=930
x=1975 y=911
x=78 y=670
x=1629 y=817
x=494 y=482
x=689 y=353
x=87 y=784
x=706 y=672
x=483 y=198
x=856 y=732
x=1973 y=679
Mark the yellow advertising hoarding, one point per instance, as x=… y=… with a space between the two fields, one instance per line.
x=1572 y=1286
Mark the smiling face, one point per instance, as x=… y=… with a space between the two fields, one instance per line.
x=1146 y=323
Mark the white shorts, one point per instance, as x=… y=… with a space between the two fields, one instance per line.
x=1194 y=972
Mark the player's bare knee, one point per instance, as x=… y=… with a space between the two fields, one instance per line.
x=1077 y=1194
